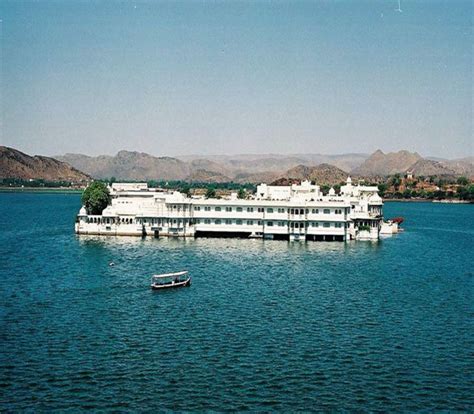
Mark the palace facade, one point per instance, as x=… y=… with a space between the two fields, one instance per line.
x=296 y=212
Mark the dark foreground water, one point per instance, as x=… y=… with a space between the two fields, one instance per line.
x=267 y=325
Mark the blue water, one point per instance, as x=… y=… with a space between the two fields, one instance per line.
x=266 y=325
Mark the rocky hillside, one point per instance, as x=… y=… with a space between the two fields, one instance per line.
x=130 y=165
x=266 y=163
x=427 y=168
x=203 y=176
x=461 y=166
x=16 y=164
x=251 y=168
x=380 y=164
x=321 y=174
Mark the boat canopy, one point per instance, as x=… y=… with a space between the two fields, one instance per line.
x=184 y=272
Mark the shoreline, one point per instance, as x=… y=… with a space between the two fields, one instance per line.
x=426 y=200
x=40 y=190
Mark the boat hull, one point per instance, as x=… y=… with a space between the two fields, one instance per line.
x=185 y=283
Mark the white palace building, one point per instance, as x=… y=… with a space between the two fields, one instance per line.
x=296 y=212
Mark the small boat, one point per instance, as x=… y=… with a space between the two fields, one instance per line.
x=171 y=280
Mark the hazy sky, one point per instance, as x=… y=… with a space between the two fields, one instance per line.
x=210 y=77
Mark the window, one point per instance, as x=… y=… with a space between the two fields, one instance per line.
x=270 y=223
x=217 y=209
x=217 y=221
x=338 y=211
x=239 y=222
x=315 y=224
x=198 y=221
x=281 y=224
x=301 y=211
x=197 y=208
x=269 y=210
x=249 y=209
x=326 y=211
x=228 y=221
x=228 y=209
x=207 y=208
x=315 y=211
x=207 y=221
x=260 y=210
x=307 y=211
x=249 y=222
x=281 y=210
x=326 y=224
x=259 y=222
x=239 y=209
x=339 y=225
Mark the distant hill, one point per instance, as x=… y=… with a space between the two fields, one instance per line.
x=461 y=166
x=426 y=168
x=204 y=176
x=321 y=174
x=256 y=178
x=380 y=164
x=130 y=165
x=263 y=163
x=16 y=164
x=127 y=165
x=255 y=168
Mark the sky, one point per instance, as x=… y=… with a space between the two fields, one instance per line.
x=212 y=77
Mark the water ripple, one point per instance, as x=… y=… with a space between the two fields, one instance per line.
x=266 y=326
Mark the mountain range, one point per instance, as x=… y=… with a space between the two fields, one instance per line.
x=243 y=168
x=262 y=168
x=16 y=164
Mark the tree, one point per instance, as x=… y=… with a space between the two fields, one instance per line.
x=407 y=193
x=396 y=181
x=463 y=181
x=242 y=194
x=185 y=189
x=96 y=197
x=325 y=189
x=382 y=188
x=211 y=192
x=466 y=193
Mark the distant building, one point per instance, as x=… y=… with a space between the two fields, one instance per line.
x=296 y=212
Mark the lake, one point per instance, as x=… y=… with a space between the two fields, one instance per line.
x=266 y=325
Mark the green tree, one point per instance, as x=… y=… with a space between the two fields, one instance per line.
x=325 y=189
x=396 y=181
x=407 y=193
x=465 y=193
x=185 y=189
x=463 y=181
x=96 y=197
x=211 y=192
x=382 y=189
x=242 y=193
x=439 y=194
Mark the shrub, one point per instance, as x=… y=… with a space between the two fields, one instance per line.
x=96 y=197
